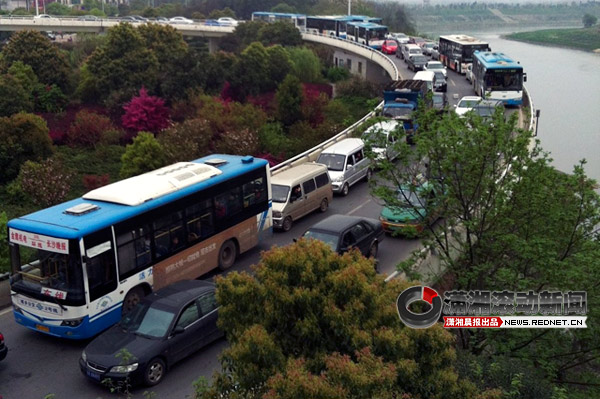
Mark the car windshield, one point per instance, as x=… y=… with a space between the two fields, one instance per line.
x=328 y=238
x=467 y=103
x=396 y=112
x=484 y=110
x=410 y=199
x=439 y=75
x=280 y=192
x=147 y=320
x=419 y=58
x=376 y=138
x=334 y=162
x=435 y=65
x=438 y=100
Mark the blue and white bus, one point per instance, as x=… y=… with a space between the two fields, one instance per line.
x=77 y=266
x=366 y=33
x=299 y=20
x=335 y=25
x=498 y=77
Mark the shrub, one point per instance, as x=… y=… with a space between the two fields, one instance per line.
x=336 y=74
x=46 y=183
x=91 y=182
x=239 y=142
x=147 y=113
x=186 y=141
x=358 y=87
x=272 y=140
x=143 y=155
x=49 y=98
x=88 y=129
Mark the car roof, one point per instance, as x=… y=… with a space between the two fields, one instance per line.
x=471 y=98
x=344 y=146
x=177 y=294
x=337 y=223
x=384 y=126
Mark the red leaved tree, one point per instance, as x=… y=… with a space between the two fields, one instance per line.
x=87 y=129
x=145 y=113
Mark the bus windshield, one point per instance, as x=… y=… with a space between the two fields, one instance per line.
x=503 y=79
x=42 y=274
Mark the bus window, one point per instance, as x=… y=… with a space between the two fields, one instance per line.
x=133 y=248
x=199 y=220
x=169 y=234
x=100 y=264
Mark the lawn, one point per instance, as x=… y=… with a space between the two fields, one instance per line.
x=579 y=38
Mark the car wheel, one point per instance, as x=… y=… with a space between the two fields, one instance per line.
x=287 y=223
x=227 y=255
x=155 y=371
x=345 y=189
x=324 y=205
x=133 y=297
x=373 y=250
x=369 y=175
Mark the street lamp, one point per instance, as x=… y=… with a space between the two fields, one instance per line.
x=537 y=118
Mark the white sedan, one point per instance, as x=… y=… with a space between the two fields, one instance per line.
x=466 y=104
x=227 y=21
x=436 y=66
x=181 y=20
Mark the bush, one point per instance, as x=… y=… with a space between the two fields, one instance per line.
x=239 y=142
x=358 y=87
x=91 y=182
x=46 y=183
x=49 y=98
x=272 y=140
x=186 y=141
x=145 y=113
x=88 y=129
x=336 y=74
x=143 y=155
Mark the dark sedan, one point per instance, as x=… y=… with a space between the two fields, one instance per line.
x=416 y=62
x=164 y=328
x=344 y=232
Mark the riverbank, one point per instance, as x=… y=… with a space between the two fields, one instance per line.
x=587 y=39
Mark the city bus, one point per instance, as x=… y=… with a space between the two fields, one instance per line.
x=78 y=266
x=498 y=77
x=366 y=33
x=456 y=51
x=335 y=25
x=299 y=20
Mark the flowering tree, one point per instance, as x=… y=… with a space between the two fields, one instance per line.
x=88 y=128
x=147 y=113
x=46 y=183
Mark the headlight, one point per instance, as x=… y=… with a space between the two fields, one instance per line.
x=338 y=179
x=72 y=322
x=124 y=369
x=84 y=356
x=277 y=215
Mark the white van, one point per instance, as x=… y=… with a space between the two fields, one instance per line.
x=382 y=137
x=346 y=163
x=298 y=191
x=427 y=76
x=409 y=49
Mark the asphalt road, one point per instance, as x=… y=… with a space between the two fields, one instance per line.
x=39 y=365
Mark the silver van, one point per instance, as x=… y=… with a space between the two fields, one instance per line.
x=346 y=163
x=382 y=137
x=409 y=49
x=299 y=190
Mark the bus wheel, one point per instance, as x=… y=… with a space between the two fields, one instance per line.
x=133 y=297
x=227 y=255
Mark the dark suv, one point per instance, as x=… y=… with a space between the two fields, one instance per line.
x=416 y=62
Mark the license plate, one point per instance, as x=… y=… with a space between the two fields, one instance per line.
x=42 y=328
x=93 y=375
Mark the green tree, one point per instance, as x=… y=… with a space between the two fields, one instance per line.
x=282 y=33
x=289 y=101
x=284 y=8
x=46 y=183
x=305 y=65
x=279 y=64
x=251 y=71
x=34 y=49
x=187 y=140
x=58 y=9
x=22 y=137
x=119 y=68
x=589 y=20
x=13 y=97
x=4 y=254
x=510 y=222
x=25 y=75
x=312 y=323
x=143 y=155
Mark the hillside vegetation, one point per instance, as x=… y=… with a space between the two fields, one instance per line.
x=582 y=38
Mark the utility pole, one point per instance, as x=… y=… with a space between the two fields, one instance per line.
x=349 y=7
x=37 y=8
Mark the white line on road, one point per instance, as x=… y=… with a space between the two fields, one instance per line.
x=358 y=207
x=5 y=311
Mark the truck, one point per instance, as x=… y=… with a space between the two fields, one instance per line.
x=401 y=99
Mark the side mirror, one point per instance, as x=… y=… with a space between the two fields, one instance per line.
x=178 y=330
x=524 y=77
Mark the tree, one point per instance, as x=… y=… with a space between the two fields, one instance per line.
x=34 y=49
x=87 y=129
x=4 y=249
x=281 y=32
x=22 y=137
x=284 y=8
x=13 y=97
x=312 y=323
x=305 y=65
x=143 y=155
x=187 y=140
x=46 y=183
x=510 y=222
x=120 y=67
x=251 y=72
x=589 y=20
x=289 y=101
x=279 y=64
x=147 y=113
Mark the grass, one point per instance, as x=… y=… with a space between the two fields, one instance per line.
x=581 y=38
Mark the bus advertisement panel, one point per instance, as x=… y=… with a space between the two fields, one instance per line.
x=76 y=266
x=498 y=77
x=456 y=51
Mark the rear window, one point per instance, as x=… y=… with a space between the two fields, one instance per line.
x=322 y=180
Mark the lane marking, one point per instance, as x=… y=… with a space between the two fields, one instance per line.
x=6 y=311
x=358 y=207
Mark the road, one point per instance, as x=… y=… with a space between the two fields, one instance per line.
x=39 y=365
